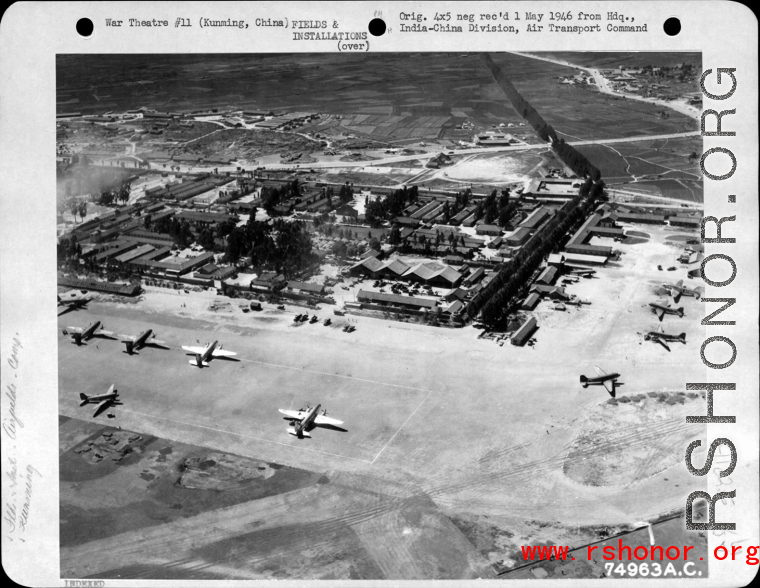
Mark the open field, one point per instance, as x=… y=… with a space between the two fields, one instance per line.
x=438 y=427
x=420 y=85
x=247 y=145
x=383 y=95
x=612 y=59
x=584 y=113
x=661 y=167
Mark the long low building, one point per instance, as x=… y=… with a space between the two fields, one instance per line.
x=629 y=217
x=577 y=243
x=395 y=301
x=524 y=333
x=96 y=286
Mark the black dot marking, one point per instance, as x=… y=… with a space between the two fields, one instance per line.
x=732 y=198
x=377 y=27
x=672 y=26
x=85 y=27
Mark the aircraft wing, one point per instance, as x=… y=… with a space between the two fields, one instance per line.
x=156 y=342
x=323 y=420
x=600 y=371
x=679 y=284
x=294 y=414
x=662 y=342
x=71 y=330
x=610 y=386
x=196 y=350
x=103 y=333
x=660 y=313
x=102 y=407
x=222 y=353
x=127 y=338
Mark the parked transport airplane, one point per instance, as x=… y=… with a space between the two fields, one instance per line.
x=678 y=289
x=144 y=339
x=304 y=420
x=662 y=309
x=663 y=338
x=72 y=300
x=205 y=354
x=104 y=401
x=609 y=381
x=95 y=329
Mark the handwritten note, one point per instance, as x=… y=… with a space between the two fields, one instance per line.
x=19 y=479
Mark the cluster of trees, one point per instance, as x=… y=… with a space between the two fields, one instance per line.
x=282 y=246
x=461 y=200
x=576 y=161
x=495 y=300
x=75 y=207
x=117 y=193
x=179 y=230
x=381 y=209
x=497 y=208
x=683 y=72
x=208 y=236
x=332 y=230
x=271 y=196
x=68 y=250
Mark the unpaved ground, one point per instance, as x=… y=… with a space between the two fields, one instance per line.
x=434 y=415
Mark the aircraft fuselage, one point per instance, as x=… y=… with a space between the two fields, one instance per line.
x=207 y=354
x=144 y=336
x=602 y=379
x=665 y=309
x=306 y=421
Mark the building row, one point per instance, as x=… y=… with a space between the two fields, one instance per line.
x=432 y=273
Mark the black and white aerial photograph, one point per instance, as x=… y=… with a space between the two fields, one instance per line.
x=378 y=316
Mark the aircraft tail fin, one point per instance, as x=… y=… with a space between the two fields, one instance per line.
x=198 y=361
x=584 y=381
x=295 y=433
x=83 y=397
x=682 y=337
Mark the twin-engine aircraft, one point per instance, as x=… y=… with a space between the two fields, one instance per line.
x=72 y=300
x=144 y=339
x=205 y=354
x=104 y=401
x=586 y=273
x=678 y=289
x=609 y=381
x=661 y=310
x=663 y=338
x=302 y=421
x=96 y=329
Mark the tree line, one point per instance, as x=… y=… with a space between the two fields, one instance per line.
x=571 y=157
x=496 y=299
x=282 y=246
x=381 y=209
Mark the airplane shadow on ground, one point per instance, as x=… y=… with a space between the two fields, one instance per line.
x=215 y=358
x=313 y=427
x=332 y=428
